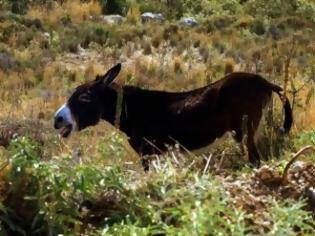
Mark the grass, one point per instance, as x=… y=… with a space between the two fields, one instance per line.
x=92 y=183
x=70 y=196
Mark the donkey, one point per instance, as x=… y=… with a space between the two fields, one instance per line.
x=152 y=119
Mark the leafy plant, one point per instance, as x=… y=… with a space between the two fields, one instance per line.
x=289 y=218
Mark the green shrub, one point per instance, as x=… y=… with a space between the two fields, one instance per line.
x=289 y=216
x=112 y=146
x=44 y=196
x=214 y=7
x=170 y=9
x=115 y=6
x=305 y=138
x=257 y=27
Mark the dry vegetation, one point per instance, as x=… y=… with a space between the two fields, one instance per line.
x=93 y=184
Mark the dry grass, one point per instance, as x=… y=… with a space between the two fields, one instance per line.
x=304 y=118
x=133 y=14
x=51 y=17
x=77 y=11
x=81 y=11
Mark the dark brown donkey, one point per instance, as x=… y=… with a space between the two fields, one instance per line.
x=155 y=118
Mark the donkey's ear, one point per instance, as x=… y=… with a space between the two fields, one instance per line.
x=110 y=75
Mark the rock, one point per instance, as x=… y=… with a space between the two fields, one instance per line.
x=188 y=21
x=8 y=62
x=80 y=50
x=297 y=166
x=149 y=16
x=268 y=176
x=310 y=194
x=2 y=18
x=46 y=35
x=110 y=19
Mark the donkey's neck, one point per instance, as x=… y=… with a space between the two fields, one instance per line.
x=110 y=104
x=119 y=106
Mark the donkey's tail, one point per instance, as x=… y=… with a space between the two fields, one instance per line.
x=288 y=118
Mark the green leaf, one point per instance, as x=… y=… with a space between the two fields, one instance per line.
x=11 y=225
x=3 y=208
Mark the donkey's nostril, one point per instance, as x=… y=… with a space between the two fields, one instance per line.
x=59 y=119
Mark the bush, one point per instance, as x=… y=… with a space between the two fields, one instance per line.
x=214 y=7
x=170 y=9
x=44 y=197
x=115 y=6
x=257 y=27
x=8 y=62
x=19 y=6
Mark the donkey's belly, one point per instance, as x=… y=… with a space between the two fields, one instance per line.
x=195 y=140
x=189 y=137
x=192 y=134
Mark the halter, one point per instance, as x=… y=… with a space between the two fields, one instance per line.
x=119 y=105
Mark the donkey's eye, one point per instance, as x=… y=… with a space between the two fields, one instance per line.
x=85 y=98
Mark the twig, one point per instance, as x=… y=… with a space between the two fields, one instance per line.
x=207 y=164
x=158 y=160
x=191 y=164
x=152 y=144
x=157 y=163
x=287 y=67
x=183 y=147
x=174 y=158
x=295 y=91
x=293 y=159
x=155 y=166
x=4 y=165
x=221 y=160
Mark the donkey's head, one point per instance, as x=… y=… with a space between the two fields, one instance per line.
x=88 y=104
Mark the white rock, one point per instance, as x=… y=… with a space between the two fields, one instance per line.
x=149 y=16
x=46 y=35
x=110 y=19
x=188 y=21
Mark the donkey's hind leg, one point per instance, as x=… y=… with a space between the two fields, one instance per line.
x=239 y=130
x=253 y=155
x=238 y=137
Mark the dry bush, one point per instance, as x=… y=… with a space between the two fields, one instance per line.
x=244 y=21
x=304 y=117
x=229 y=65
x=50 y=17
x=12 y=129
x=133 y=14
x=80 y=11
x=8 y=62
x=92 y=70
x=156 y=41
x=75 y=9
x=197 y=77
x=178 y=65
x=11 y=81
x=147 y=49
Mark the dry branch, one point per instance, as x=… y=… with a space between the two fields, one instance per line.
x=207 y=164
x=293 y=159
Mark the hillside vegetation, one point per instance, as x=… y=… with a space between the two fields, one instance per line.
x=93 y=183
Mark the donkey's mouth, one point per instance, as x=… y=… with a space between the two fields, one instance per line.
x=65 y=131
